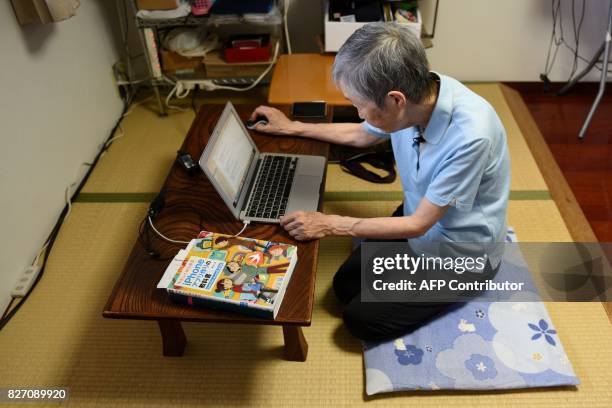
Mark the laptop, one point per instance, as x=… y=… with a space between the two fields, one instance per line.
x=255 y=186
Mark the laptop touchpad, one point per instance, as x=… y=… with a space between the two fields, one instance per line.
x=311 y=166
x=305 y=194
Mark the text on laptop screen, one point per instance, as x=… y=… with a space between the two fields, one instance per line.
x=230 y=157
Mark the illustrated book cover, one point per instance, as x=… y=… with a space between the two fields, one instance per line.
x=231 y=273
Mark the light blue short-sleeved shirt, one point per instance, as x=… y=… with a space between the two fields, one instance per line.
x=463 y=163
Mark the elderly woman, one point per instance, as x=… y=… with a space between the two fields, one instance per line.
x=451 y=154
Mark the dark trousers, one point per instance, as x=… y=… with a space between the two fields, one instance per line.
x=378 y=321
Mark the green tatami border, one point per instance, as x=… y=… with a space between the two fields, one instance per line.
x=516 y=195
x=115 y=197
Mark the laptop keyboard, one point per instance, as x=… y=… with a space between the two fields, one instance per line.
x=271 y=190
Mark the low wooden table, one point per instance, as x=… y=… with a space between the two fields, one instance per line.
x=305 y=78
x=192 y=204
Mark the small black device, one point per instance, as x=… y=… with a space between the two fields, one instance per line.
x=315 y=109
x=186 y=162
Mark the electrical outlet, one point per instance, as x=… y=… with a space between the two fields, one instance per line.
x=25 y=280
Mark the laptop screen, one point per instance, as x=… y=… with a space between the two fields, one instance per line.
x=230 y=157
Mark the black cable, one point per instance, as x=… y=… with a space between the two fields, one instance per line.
x=553 y=41
x=576 y=41
x=56 y=228
x=8 y=307
x=160 y=204
x=598 y=65
x=576 y=36
x=556 y=42
x=557 y=16
x=145 y=231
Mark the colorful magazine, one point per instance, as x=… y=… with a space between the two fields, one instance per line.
x=233 y=273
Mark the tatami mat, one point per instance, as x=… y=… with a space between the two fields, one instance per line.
x=339 y=180
x=525 y=172
x=141 y=159
x=60 y=339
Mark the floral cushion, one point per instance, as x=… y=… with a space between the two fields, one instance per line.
x=479 y=346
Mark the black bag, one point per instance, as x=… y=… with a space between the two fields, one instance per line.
x=381 y=160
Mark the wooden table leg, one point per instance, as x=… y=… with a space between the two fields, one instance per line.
x=296 y=348
x=173 y=337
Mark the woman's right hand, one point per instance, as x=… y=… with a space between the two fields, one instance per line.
x=277 y=122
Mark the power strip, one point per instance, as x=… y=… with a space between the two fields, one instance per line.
x=191 y=84
x=25 y=281
x=151 y=50
x=239 y=81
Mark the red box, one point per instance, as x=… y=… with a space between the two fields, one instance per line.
x=245 y=50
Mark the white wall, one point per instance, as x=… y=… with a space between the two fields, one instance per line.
x=485 y=40
x=507 y=40
x=305 y=20
x=58 y=104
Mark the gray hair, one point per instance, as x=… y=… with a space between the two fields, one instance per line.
x=382 y=57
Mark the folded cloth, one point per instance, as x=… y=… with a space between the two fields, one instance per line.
x=190 y=42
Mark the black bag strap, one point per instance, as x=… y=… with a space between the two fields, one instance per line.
x=380 y=160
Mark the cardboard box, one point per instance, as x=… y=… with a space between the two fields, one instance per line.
x=173 y=63
x=156 y=4
x=337 y=32
x=32 y=12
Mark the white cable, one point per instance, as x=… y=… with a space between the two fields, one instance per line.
x=168 y=80
x=120 y=131
x=210 y=86
x=69 y=204
x=257 y=81
x=111 y=140
x=184 y=93
x=171 y=94
x=35 y=262
x=174 y=241
x=68 y=200
x=134 y=104
x=287 y=39
x=136 y=81
x=246 y=223
x=68 y=196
